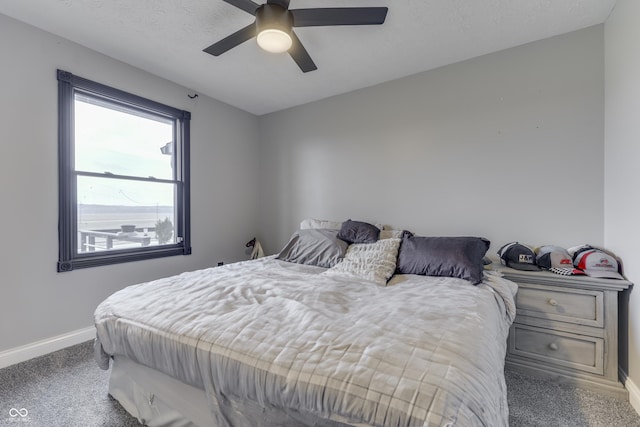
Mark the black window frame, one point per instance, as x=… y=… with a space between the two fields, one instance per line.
x=68 y=257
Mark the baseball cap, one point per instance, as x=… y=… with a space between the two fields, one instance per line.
x=518 y=256
x=575 y=250
x=556 y=259
x=596 y=263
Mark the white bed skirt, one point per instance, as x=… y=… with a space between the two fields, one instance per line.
x=158 y=400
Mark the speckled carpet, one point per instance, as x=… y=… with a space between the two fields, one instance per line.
x=537 y=402
x=67 y=389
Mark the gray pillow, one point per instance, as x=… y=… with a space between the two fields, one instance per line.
x=318 y=247
x=358 y=232
x=459 y=257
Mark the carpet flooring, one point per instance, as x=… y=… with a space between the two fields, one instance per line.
x=67 y=389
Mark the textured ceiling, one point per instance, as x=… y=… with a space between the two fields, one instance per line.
x=166 y=38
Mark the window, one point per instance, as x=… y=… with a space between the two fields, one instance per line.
x=123 y=176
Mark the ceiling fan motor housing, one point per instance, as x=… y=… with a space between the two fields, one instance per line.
x=273 y=16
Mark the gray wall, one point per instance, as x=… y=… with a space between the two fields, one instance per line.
x=35 y=301
x=508 y=146
x=622 y=175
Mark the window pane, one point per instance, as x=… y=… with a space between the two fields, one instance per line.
x=110 y=138
x=124 y=176
x=122 y=214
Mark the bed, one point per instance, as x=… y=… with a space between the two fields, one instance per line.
x=271 y=342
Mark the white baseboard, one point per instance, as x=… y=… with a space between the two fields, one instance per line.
x=632 y=388
x=49 y=345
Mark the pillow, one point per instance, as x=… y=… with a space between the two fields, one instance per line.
x=374 y=262
x=459 y=257
x=318 y=247
x=358 y=232
x=389 y=233
x=311 y=223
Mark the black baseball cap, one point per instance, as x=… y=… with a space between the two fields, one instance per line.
x=518 y=256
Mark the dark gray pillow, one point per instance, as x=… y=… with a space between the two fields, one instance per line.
x=318 y=247
x=358 y=232
x=459 y=257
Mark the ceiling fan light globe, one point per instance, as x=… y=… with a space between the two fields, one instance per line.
x=274 y=40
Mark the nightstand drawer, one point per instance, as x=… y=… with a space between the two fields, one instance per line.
x=579 y=306
x=553 y=347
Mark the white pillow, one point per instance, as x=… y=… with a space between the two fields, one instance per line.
x=311 y=223
x=375 y=262
x=391 y=234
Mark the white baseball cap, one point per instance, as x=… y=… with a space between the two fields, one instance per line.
x=596 y=263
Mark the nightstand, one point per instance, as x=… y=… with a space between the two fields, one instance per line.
x=566 y=328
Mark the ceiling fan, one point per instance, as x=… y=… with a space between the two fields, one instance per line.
x=273 y=27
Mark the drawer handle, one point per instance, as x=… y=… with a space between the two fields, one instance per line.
x=553 y=346
x=553 y=302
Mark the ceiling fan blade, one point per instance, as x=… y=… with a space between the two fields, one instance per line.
x=283 y=3
x=246 y=5
x=300 y=55
x=339 y=16
x=232 y=41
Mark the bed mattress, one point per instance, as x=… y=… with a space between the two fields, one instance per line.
x=422 y=350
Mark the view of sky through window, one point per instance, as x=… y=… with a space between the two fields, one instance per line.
x=118 y=141
x=121 y=143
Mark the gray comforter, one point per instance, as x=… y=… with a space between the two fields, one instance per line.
x=422 y=351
